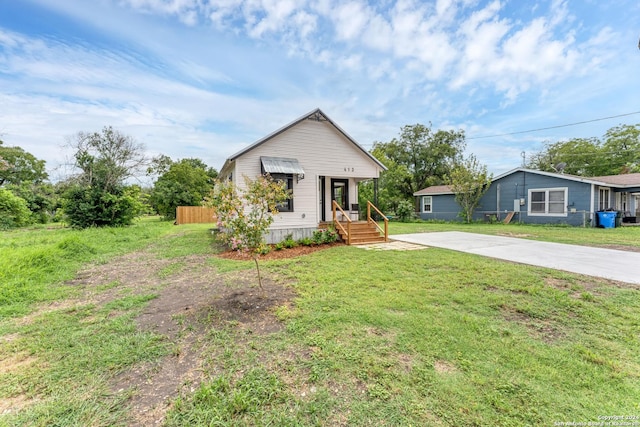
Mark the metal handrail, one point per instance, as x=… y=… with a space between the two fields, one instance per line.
x=337 y=223
x=371 y=220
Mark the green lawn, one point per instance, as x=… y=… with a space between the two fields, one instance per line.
x=427 y=337
x=590 y=236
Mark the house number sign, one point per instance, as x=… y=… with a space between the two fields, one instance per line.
x=347 y=169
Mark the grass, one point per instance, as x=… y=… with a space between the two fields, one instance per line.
x=34 y=262
x=56 y=356
x=429 y=337
x=590 y=236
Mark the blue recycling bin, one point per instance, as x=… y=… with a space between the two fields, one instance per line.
x=607 y=219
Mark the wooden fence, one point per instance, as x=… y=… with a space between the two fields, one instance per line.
x=194 y=215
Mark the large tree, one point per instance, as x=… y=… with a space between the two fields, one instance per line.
x=618 y=152
x=18 y=166
x=99 y=196
x=183 y=183
x=107 y=159
x=417 y=158
x=469 y=181
x=578 y=156
x=621 y=145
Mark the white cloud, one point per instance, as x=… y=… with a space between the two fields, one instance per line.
x=187 y=11
x=350 y=20
x=305 y=22
x=515 y=56
x=378 y=35
x=276 y=14
x=351 y=62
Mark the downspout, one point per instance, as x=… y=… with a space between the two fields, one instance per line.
x=498 y=202
x=519 y=209
x=592 y=205
x=524 y=192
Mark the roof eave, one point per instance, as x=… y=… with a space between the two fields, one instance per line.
x=439 y=193
x=586 y=180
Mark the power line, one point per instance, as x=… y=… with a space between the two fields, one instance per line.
x=554 y=127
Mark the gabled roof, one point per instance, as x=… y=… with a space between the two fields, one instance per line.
x=618 y=181
x=627 y=179
x=434 y=190
x=317 y=115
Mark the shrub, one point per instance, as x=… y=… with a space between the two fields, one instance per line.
x=318 y=237
x=328 y=235
x=307 y=241
x=288 y=242
x=91 y=207
x=13 y=210
x=405 y=210
x=264 y=250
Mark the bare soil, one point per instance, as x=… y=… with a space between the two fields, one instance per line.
x=192 y=299
x=280 y=254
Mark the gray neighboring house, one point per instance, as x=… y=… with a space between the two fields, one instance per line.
x=539 y=197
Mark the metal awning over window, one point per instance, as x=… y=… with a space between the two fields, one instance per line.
x=273 y=165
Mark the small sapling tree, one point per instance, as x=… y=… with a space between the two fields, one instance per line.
x=244 y=215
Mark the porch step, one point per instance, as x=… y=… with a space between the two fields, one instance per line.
x=362 y=233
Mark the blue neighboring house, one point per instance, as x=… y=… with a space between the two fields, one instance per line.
x=537 y=197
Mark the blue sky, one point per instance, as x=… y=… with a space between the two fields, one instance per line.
x=200 y=78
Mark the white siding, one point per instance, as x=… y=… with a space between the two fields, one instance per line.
x=322 y=151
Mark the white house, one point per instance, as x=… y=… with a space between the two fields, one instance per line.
x=318 y=160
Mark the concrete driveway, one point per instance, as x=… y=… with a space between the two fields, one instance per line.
x=606 y=263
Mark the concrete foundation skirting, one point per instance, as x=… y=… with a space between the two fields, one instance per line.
x=278 y=235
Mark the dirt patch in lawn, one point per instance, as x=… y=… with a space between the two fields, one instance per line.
x=546 y=330
x=518 y=235
x=186 y=310
x=444 y=367
x=193 y=298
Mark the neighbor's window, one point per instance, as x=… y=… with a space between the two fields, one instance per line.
x=287 y=205
x=548 y=201
x=426 y=204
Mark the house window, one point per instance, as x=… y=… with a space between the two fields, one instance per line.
x=287 y=205
x=548 y=201
x=427 y=204
x=603 y=199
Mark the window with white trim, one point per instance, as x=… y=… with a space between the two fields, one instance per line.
x=548 y=201
x=427 y=204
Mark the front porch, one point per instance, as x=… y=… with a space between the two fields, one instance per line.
x=355 y=232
